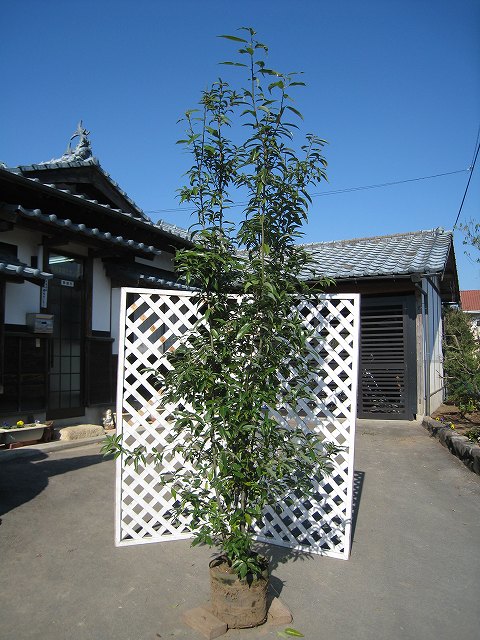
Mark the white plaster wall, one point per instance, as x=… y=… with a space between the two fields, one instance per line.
x=23 y=298
x=163 y=261
x=100 y=298
x=115 y=318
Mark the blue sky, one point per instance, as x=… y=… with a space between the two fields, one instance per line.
x=393 y=86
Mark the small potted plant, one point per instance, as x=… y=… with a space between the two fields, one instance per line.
x=248 y=358
x=20 y=433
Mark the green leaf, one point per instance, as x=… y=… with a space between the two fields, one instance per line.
x=245 y=329
x=295 y=111
x=234 y=38
x=293 y=633
x=278 y=84
x=233 y=64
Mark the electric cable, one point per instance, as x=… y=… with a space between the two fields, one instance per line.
x=335 y=191
x=385 y=184
x=468 y=184
x=475 y=145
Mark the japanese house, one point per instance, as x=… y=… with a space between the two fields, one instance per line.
x=69 y=238
x=403 y=280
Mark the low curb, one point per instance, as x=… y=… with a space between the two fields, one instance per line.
x=460 y=446
x=34 y=450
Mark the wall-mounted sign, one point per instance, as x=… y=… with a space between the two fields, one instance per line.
x=67 y=283
x=44 y=295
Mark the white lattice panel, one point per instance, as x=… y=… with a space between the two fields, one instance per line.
x=153 y=322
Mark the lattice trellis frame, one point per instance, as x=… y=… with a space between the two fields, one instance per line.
x=152 y=322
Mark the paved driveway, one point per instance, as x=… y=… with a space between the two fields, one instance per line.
x=414 y=573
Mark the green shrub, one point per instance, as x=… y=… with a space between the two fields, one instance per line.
x=473 y=435
x=461 y=362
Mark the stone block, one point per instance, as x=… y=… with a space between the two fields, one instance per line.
x=279 y=613
x=203 y=621
x=81 y=432
x=476 y=460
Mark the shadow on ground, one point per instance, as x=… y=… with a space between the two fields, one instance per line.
x=277 y=555
x=358 y=481
x=23 y=479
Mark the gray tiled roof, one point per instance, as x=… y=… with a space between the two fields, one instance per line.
x=140 y=274
x=11 y=266
x=161 y=224
x=173 y=229
x=170 y=229
x=424 y=252
x=81 y=229
x=163 y=282
x=63 y=164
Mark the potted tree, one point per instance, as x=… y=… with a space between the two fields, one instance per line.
x=248 y=357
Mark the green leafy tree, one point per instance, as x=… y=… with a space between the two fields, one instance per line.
x=250 y=335
x=461 y=361
x=471 y=231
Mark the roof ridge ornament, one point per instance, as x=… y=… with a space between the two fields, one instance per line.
x=83 y=150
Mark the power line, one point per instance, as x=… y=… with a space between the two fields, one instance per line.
x=475 y=146
x=386 y=184
x=335 y=191
x=468 y=183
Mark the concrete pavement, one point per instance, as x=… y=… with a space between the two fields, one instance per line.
x=414 y=573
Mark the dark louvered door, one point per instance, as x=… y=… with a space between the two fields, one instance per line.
x=388 y=378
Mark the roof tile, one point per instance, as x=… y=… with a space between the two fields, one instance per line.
x=12 y=266
x=173 y=230
x=81 y=228
x=470 y=300
x=423 y=252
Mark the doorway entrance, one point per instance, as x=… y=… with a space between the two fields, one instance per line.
x=66 y=295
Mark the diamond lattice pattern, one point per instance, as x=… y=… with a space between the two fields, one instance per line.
x=152 y=324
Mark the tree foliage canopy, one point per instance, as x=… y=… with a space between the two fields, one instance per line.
x=461 y=361
x=471 y=230
x=228 y=370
